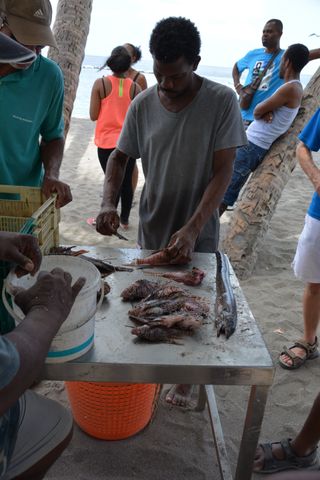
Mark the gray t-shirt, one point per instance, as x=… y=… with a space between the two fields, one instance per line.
x=176 y=151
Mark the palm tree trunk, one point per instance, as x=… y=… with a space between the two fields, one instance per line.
x=251 y=218
x=70 y=29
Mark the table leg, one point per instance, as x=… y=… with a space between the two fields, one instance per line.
x=251 y=431
x=224 y=464
x=202 y=399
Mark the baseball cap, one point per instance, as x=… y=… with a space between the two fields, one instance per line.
x=29 y=21
x=14 y=52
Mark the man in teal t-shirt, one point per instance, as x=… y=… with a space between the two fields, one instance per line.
x=31 y=98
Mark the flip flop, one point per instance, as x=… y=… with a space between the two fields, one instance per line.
x=91 y=221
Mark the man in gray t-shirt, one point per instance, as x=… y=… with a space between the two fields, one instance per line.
x=185 y=130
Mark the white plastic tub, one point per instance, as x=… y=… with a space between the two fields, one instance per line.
x=76 y=335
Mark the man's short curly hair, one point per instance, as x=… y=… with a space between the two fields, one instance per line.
x=173 y=38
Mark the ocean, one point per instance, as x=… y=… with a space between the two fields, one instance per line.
x=90 y=72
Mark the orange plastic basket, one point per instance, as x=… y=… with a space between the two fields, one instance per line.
x=112 y=411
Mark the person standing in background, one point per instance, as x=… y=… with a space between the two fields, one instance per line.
x=255 y=61
x=135 y=75
x=110 y=100
x=140 y=79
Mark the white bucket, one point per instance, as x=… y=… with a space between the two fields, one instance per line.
x=75 y=336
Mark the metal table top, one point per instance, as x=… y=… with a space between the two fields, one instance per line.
x=203 y=358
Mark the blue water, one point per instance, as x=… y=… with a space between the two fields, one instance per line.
x=90 y=72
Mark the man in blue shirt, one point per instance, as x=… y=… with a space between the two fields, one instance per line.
x=307 y=259
x=256 y=60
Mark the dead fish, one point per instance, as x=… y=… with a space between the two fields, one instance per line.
x=160 y=257
x=138 y=290
x=158 y=307
x=157 y=334
x=225 y=304
x=102 y=266
x=180 y=321
x=191 y=278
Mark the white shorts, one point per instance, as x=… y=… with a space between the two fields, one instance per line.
x=306 y=263
x=44 y=424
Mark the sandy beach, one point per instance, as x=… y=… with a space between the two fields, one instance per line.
x=178 y=444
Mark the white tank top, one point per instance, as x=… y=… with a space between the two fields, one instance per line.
x=264 y=134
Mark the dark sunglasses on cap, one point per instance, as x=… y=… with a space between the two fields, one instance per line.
x=13 y=52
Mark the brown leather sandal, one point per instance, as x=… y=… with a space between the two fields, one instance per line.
x=311 y=350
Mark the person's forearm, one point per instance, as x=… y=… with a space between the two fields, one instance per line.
x=32 y=339
x=51 y=156
x=308 y=165
x=113 y=179
x=235 y=75
x=314 y=54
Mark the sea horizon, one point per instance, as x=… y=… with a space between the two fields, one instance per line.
x=90 y=72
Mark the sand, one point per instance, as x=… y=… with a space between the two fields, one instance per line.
x=178 y=443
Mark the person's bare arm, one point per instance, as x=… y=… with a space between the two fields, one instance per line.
x=51 y=154
x=314 y=54
x=46 y=306
x=95 y=100
x=135 y=89
x=308 y=165
x=142 y=82
x=107 y=221
x=288 y=95
x=182 y=242
x=236 y=78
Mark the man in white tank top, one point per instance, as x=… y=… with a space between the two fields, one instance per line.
x=273 y=118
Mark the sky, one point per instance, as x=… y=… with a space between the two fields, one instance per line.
x=228 y=28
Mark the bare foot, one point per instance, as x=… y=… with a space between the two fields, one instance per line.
x=179 y=395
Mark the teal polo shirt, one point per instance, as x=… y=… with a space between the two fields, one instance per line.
x=31 y=106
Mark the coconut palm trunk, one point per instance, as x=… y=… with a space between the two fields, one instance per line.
x=251 y=218
x=70 y=29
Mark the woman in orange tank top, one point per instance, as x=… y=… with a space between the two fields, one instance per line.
x=138 y=77
x=110 y=100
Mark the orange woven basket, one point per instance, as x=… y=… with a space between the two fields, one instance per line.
x=112 y=411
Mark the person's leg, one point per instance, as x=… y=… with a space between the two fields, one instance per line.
x=307 y=268
x=303 y=446
x=103 y=155
x=126 y=194
x=248 y=158
x=45 y=429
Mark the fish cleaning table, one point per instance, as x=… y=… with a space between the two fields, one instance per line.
x=201 y=359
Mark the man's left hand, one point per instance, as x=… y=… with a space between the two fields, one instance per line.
x=181 y=245
x=53 y=185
